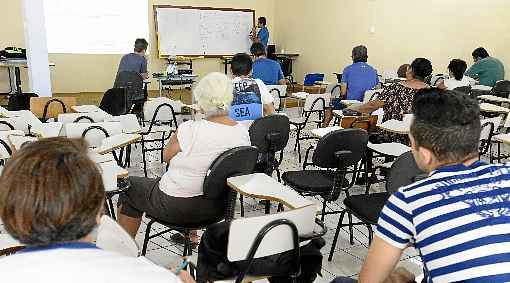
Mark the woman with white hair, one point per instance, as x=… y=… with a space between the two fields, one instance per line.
x=176 y=197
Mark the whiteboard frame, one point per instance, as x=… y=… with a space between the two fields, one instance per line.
x=156 y=7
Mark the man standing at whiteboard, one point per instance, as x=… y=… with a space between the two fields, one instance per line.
x=136 y=61
x=263 y=34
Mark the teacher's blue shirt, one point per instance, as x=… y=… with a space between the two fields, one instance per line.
x=263 y=36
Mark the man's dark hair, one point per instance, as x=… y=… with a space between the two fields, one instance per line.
x=258 y=49
x=422 y=68
x=447 y=123
x=359 y=54
x=51 y=192
x=480 y=52
x=263 y=21
x=141 y=44
x=458 y=67
x=241 y=64
x=402 y=70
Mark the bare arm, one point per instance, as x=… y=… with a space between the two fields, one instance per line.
x=380 y=262
x=368 y=107
x=172 y=148
x=282 y=82
x=269 y=109
x=343 y=90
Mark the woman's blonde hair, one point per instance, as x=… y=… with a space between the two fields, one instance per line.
x=214 y=93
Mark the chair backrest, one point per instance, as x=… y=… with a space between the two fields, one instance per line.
x=129 y=123
x=18 y=123
x=371 y=95
x=353 y=140
x=92 y=117
x=111 y=237
x=236 y=161
x=132 y=82
x=403 y=172
x=270 y=133
x=50 y=107
x=93 y=137
x=115 y=102
x=279 y=92
x=162 y=110
x=244 y=231
x=501 y=89
x=317 y=102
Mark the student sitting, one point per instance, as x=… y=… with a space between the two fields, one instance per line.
x=356 y=80
x=136 y=61
x=252 y=99
x=176 y=198
x=53 y=212
x=486 y=69
x=268 y=71
x=396 y=99
x=457 y=79
x=458 y=218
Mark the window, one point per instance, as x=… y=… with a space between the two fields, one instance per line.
x=95 y=26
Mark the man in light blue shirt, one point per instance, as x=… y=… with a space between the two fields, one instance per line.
x=267 y=70
x=263 y=34
x=356 y=80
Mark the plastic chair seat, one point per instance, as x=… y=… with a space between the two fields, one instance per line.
x=367 y=207
x=316 y=181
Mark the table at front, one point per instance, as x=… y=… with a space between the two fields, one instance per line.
x=176 y=80
x=16 y=64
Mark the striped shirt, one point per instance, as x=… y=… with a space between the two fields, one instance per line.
x=458 y=219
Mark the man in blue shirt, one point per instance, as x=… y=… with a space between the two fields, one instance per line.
x=458 y=217
x=356 y=80
x=263 y=34
x=267 y=70
x=136 y=61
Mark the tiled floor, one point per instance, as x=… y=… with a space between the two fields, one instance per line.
x=347 y=260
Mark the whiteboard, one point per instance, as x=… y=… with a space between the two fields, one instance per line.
x=191 y=31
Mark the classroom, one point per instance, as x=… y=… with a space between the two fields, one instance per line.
x=254 y=141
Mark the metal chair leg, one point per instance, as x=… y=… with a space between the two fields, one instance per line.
x=241 y=200
x=144 y=157
x=351 y=230
x=337 y=232
x=147 y=237
x=323 y=210
x=111 y=208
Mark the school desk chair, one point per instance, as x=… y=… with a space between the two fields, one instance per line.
x=315 y=104
x=367 y=207
x=256 y=237
x=233 y=162
x=336 y=155
x=162 y=114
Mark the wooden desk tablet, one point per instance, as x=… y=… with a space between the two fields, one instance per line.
x=118 y=141
x=491 y=108
x=320 y=132
x=493 y=98
x=262 y=186
x=395 y=126
x=389 y=149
